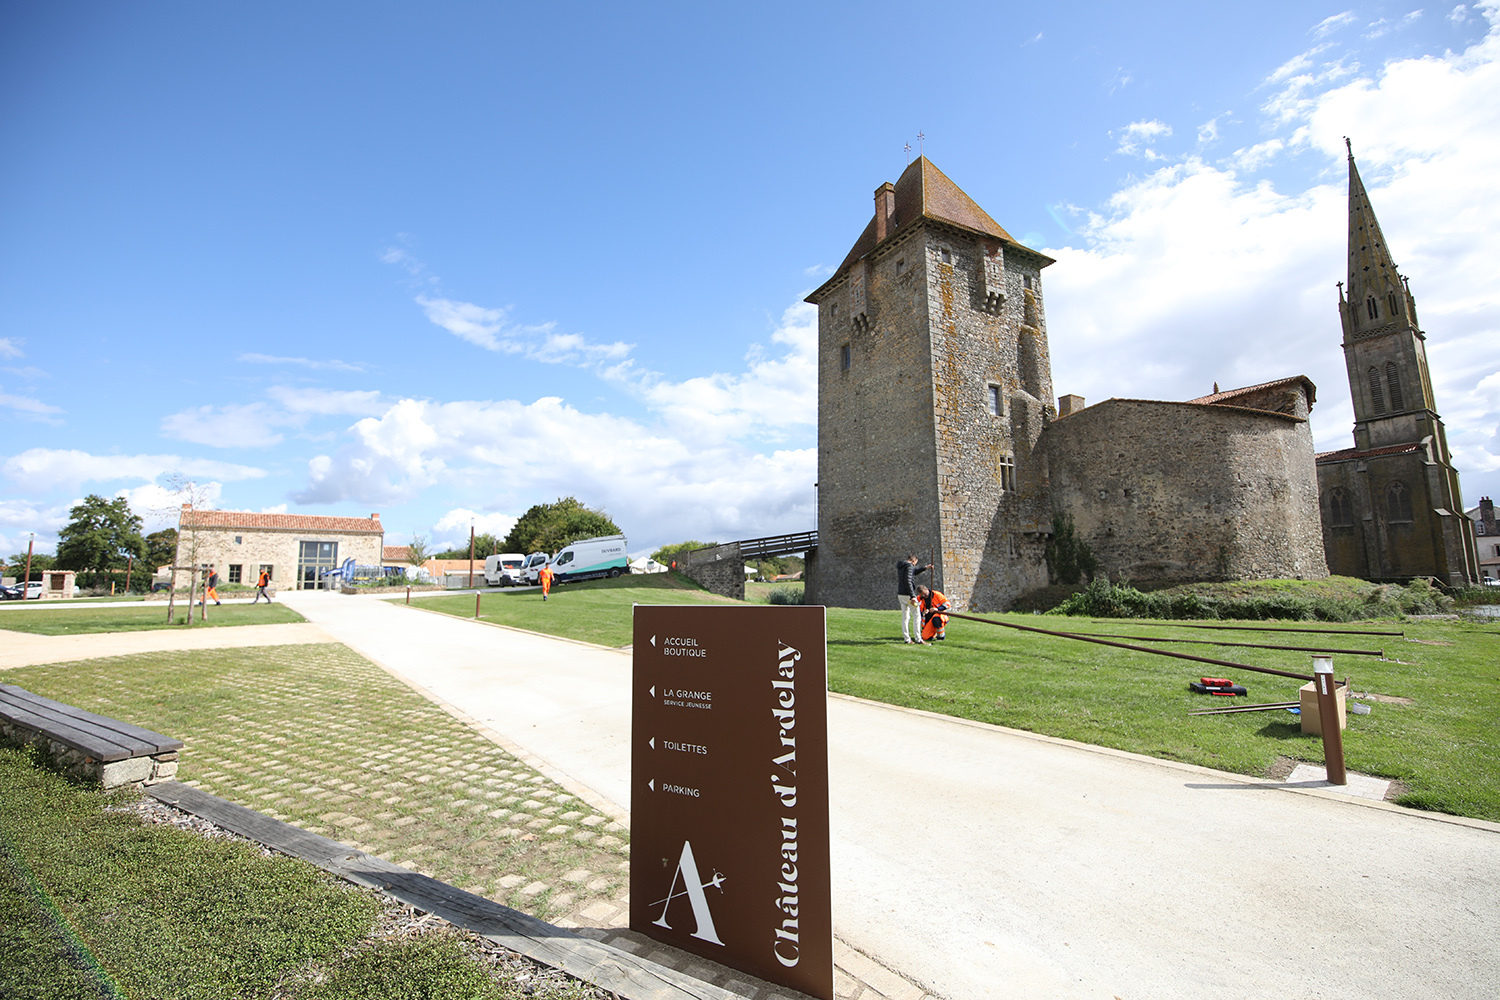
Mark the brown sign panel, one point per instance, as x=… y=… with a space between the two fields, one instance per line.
x=729 y=789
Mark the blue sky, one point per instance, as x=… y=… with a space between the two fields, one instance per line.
x=446 y=261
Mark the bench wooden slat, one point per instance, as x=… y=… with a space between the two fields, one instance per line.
x=90 y=743
x=144 y=741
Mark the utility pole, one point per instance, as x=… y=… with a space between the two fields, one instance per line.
x=26 y=583
x=471 y=553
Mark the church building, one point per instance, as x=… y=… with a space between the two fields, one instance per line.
x=1391 y=505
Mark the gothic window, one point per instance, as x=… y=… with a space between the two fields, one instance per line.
x=1008 y=474
x=1398 y=502
x=1393 y=385
x=1375 y=395
x=1394 y=303
x=1372 y=308
x=1340 y=514
x=844 y=358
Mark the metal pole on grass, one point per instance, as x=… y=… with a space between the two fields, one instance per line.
x=1328 y=719
x=476 y=604
x=408 y=593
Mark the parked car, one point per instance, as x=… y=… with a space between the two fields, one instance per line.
x=158 y=585
x=33 y=592
x=504 y=570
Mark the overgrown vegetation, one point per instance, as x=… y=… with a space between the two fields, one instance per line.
x=1069 y=559
x=1105 y=599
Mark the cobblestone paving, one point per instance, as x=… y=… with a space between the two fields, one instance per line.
x=319 y=737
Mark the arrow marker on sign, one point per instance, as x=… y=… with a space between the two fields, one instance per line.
x=652 y=741
x=653 y=690
x=651 y=784
x=653 y=642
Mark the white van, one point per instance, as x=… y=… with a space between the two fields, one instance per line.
x=534 y=562
x=590 y=559
x=503 y=570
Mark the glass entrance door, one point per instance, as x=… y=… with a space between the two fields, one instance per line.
x=314 y=559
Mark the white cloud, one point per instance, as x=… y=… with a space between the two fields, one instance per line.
x=332 y=364
x=49 y=468
x=1332 y=23
x=1137 y=137
x=489 y=328
x=30 y=408
x=1208 y=132
x=10 y=347
x=235 y=426
x=159 y=506
x=452 y=529
x=1459 y=14
x=324 y=402
x=1191 y=275
x=279 y=508
x=1254 y=157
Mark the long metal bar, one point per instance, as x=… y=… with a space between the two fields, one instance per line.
x=1246 y=645
x=1138 y=649
x=1247 y=708
x=1248 y=628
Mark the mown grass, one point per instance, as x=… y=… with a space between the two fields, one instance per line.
x=597 y=611
x=95 y=903
x=1441 y=746
x=87 y=620
x=317 y=736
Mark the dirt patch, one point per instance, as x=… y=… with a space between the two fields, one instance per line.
x=1431 y=642
x=1387 y=699
x=1281 y=768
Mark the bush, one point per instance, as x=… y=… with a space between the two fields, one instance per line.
x=786 y=595
x=1103 y=599
x=1068 y=558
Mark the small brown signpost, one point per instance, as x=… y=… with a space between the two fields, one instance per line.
x=729 y=789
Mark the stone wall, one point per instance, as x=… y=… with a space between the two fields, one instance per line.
x=144 y=770
x=720 y=569
x=275 y=547
x=1166 y=492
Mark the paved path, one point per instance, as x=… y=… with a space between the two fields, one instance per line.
x=983 y=862
x=22 y=649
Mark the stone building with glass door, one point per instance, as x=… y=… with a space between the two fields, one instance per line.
x=298 y=550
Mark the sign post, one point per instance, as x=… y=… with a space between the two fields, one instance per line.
x=729 y=789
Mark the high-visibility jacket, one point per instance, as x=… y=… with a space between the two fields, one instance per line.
x=934 y=621
x=544 y=577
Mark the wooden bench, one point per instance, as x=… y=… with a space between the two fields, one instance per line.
x=84 y=745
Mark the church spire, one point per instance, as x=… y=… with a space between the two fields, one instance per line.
x=1378 y=299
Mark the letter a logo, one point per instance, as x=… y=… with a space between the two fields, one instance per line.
x=692 y=888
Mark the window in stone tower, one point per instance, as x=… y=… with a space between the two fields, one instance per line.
x=1026 y=281
x=1393 y=385
x=900 y=268
x=844 y=357
x=1008 y=474
x=995 y=400
x=1372 y=308
x=1394 y=303
x=1398 y=502
x=1376 y=398
x=833 y=310
x=947 y=256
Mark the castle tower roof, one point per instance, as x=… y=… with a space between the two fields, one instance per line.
x=923 y=192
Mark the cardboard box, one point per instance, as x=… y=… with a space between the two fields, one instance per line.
x=1311 y=722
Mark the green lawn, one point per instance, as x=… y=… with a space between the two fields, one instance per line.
x=1442 y=746
x=78 y=621
x=597 y=611
x=93 y=903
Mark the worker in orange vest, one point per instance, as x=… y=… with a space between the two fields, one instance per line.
x=544 y=577
x=933 y=606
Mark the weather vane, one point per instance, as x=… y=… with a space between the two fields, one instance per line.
x=920 y=137
x=907 y=148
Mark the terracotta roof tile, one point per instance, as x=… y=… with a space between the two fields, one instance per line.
x=1230 y=394
x=924 y=191
x=395 y=553
x=1345 y=454
x=279 y=522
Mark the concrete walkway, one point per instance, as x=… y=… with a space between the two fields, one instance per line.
x=983 y=862
x=22 y=649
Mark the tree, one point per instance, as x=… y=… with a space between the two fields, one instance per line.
x=1069 y=558
x=667 y=553
x=101 y=534
x=161 y=548
x=416 y=551
x=547 y=527
x=40 y=562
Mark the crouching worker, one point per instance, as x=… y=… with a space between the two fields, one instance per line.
x=934 y=607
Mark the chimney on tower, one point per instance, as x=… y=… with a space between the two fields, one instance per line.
x=885 y=208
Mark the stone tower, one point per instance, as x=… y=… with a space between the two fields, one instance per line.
x=1391 y=505
x=934 y=383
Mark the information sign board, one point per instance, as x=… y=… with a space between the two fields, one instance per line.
x=729 y=788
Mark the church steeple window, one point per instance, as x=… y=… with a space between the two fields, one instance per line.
x=1377 y=399
x=1372 y=308
x=1398 y=502
x=1393 y=385
x=1393 y=303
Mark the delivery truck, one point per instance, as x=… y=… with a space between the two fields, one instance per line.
x=590 y=559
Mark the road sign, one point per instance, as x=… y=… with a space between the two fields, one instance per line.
x=729 y=789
